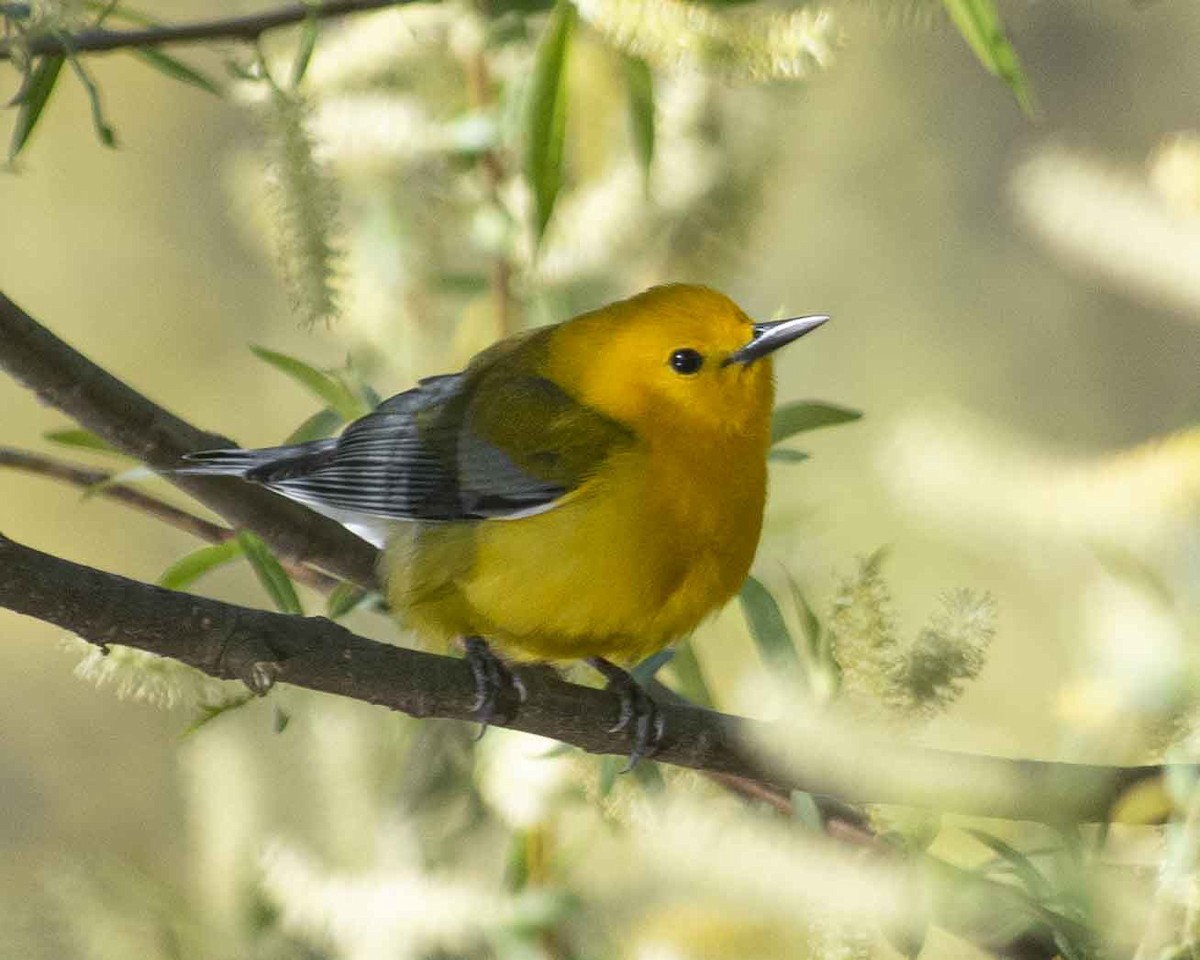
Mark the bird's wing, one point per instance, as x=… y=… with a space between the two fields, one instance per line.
x=498 y=444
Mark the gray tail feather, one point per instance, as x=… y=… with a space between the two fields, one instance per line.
x=236 y=462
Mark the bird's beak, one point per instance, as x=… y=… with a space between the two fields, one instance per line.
x=769 y=337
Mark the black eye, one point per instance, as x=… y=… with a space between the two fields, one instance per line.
x=686 y=361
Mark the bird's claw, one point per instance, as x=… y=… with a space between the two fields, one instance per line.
x=496 y=686
x=637 y=710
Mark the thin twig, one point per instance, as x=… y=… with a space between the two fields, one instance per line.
x=64 y=378
x=99 y=481
x=479 y=86
x=249 y=28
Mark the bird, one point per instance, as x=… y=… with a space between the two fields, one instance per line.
x=589 y=490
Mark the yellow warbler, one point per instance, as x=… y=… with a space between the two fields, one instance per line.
x=592 y=489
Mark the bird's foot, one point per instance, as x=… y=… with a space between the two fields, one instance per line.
x=498 y=691
x=639 y=713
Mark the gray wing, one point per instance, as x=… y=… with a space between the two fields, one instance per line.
x=422 y=454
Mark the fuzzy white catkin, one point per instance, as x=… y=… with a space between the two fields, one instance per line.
x=742 y=44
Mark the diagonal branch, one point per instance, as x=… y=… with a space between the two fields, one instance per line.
x=231 y=642
x=234 y=642
x=64 y=378
x=247 y=28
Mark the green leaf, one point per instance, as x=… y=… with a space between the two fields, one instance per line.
x=104 y=132
x=1029 y=875
x=329 y=388
x=187 y=570
x=649 y=776
x=344 y=598
x=208 y=714
x=794 y=418
x=784 y=455
x=639 y=85
x=979 y=23
x=81 y=439
x=320 y=425
x=768 y=628
x=34 y=95
x=280 y=719
x=648 y=668
x=176 y=69
x=690 y=676
x=808 y=621
x=304 y=52
x=270 y=573
x=805 y=809
x=546 y=116
x=516 y=867
x=610 y=767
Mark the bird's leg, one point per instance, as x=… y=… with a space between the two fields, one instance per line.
x=495 y=685
x=637 y=708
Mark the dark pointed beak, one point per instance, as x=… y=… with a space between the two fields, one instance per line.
x=769 y=337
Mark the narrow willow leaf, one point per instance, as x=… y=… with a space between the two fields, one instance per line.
x=81 y=439
x=639 y=86
x=104 y=131
x=648 y=668
x=610 y=767
x=690 y=676
x=34 y=95
x=649 y=776
x=304 y=52
x=979 y=23
x=546 y=117
x=344 y=598
x=808 y=622
x=1029 y=875
x=359 y=392
x=270 y=573
x=516 y=867
x=208 y=714
x=176 y=69
x=794 y=418
x=784 y=455
x=768 y=627
x=805 y=809
x=187 y=570
x=320 y=425
x=328 y=388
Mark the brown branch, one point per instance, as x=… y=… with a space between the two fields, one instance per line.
x=66 y=379
x=85 y=478
x=482 y=95
x=247 y=28
x=228 y=641
x=231 y=642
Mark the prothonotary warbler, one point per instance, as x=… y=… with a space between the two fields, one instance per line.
x=591 y=490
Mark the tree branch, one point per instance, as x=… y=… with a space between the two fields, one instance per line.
x=87 y=478
x=234 y=642
x=247 y=28
x=66 y=379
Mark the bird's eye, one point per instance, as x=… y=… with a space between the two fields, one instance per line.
x=686 y=361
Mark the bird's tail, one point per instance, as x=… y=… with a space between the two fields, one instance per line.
x=252 y=464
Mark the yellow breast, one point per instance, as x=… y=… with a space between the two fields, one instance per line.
x=634 y=559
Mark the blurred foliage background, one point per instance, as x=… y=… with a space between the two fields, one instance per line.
x=1015 y=302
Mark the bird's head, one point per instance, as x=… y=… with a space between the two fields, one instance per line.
x=677 y=354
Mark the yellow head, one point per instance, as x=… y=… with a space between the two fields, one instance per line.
x=678 y=355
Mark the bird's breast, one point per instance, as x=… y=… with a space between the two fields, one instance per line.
x=633 y=559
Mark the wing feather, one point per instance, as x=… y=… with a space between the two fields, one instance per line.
x=490 y=443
